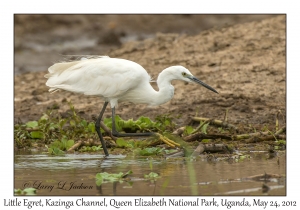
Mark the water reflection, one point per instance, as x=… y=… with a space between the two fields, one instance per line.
x=74 y=174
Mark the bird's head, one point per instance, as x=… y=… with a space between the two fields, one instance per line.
x=181 y=73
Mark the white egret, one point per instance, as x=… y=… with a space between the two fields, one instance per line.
x=115 y=80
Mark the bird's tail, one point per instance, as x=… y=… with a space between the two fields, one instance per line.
x=55 y=81
x=54 y=72
x=58 y=68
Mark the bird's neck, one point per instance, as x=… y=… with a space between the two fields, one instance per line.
x=163 y=95
x=166 y=89
x=148 y=95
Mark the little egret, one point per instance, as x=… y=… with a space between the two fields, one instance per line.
x=115 y=80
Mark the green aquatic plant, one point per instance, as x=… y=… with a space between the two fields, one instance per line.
x=165 y=122
x=125 y=143
x=107 y=177
x=242 y=157
x=169 y=151
x=188 y=130
x=151 y=176
x=90 y=149
x=203 y=126
x=142 y=124
x=26 y=191
x=148 y=151
x=58 y=146
x=52 y=127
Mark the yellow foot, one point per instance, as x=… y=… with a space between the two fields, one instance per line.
x=167 y=141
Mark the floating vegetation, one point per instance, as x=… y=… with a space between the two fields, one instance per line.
x=90 y=149
x=108 y=177
x=64 y=134
x=58 y=146
x=122 y=143
x=151 y=176
x=26 y=191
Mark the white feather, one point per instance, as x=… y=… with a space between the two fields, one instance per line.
x=114 y=80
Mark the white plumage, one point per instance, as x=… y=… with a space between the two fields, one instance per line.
x=108 y=78
x=116 y=80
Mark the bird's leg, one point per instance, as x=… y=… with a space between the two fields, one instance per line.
x=114 y=131
x=97 y=126
x=117 y=134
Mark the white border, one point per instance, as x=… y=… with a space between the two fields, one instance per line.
x=8 y=8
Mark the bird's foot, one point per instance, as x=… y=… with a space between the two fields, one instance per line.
x=117 y=134
x=168 y=141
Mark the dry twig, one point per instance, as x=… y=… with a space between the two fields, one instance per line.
x=75 y=146
x=179 y=131
x=215 y=122
x=199 y=136
x=210 y=148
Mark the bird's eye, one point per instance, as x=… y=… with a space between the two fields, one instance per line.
x=183 y=74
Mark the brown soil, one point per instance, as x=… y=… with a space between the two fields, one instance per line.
x=245 y=63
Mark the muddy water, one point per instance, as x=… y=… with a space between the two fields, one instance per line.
x=74 y=174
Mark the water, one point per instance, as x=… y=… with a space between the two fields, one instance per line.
x=74 y=174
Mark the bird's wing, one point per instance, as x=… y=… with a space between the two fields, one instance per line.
x=105 y=77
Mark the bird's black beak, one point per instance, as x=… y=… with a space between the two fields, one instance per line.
x=194 y=79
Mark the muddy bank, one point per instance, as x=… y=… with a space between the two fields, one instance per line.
x=41 y=40
x=245 y=63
